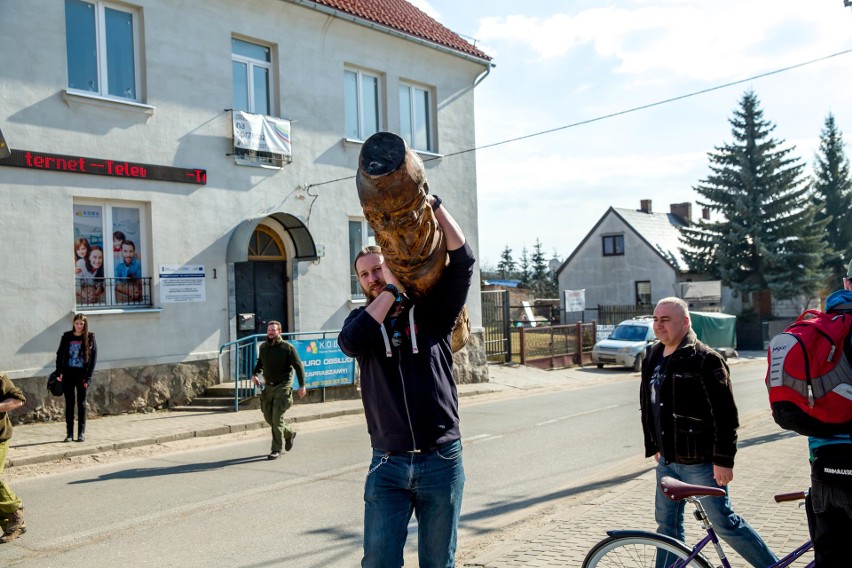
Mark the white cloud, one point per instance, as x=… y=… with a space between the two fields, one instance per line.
x=707 y=40
x=426 y=7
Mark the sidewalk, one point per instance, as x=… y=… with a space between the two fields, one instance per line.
x=769 y=461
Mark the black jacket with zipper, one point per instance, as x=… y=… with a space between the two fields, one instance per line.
x=410 y=399
x=698 y=414
x=62 y=354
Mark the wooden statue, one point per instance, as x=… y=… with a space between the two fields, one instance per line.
x=392 y=187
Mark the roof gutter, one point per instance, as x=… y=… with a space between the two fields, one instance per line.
x=355 y=19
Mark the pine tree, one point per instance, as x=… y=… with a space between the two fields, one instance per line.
x=525 y=267
x=507 y=266
x=539 y=265
x=767 y=235
x=833 y=189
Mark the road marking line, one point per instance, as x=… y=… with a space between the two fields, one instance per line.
x=482 y=438
x=577 y=415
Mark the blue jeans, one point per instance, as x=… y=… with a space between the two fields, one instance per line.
x=428 y=485
x=732 y=528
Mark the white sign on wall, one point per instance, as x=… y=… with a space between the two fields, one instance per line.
x=181 y=283
x=262 y=133
x=575 y=300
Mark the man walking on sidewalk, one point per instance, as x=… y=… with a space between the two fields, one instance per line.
x=277 y=359
x=11 y=507
x=690 y=424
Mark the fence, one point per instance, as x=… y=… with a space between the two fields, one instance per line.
x=103 y=293
x=496 y=326
x=614 y=315
x=555 y=346
x=238 y=358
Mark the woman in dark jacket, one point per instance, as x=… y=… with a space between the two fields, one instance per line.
x=75 y=362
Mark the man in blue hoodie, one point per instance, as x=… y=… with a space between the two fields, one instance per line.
x=403 y=349
x=830 y=499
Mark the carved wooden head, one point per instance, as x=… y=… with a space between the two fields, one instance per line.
x=392 y=187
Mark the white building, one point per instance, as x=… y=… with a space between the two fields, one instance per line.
x=631 y=257
x=121 y=117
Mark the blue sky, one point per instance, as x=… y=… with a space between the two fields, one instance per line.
x=558 y=63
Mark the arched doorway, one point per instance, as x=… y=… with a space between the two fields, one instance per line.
x=260 y=283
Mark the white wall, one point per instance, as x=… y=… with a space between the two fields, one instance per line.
x=611 y=280
x=187 y=79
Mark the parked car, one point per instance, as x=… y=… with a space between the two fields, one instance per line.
x=626 y=344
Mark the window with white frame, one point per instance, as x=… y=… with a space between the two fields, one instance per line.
x=362 y=104
x=111 y=265
x=251 y=65
x=643 y=292
x=415 y=117
x=360 y=235
x=102 y=44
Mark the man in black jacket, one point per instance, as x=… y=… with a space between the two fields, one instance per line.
x=411 y=405
x=690 y=424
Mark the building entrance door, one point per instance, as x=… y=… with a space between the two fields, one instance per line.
x=260 y=284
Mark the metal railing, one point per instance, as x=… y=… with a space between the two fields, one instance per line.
x=104 y=293
x=239 y=357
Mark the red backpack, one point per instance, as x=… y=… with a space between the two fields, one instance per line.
x=810 y=376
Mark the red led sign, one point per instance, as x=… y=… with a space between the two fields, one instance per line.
x=94 y=166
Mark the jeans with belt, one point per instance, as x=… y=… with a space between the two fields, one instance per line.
x=428 y=484
x=732 y=528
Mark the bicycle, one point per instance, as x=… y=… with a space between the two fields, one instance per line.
x=641 y=549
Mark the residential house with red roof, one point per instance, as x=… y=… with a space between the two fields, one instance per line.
x=183 y=173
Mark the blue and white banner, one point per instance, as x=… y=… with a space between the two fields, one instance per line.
x=325 y=364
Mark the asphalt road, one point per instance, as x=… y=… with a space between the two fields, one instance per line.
x=226 y=505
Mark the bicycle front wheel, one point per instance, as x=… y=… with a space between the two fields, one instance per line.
x=642 y=550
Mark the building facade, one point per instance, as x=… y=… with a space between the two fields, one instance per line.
x=196 y=163
x=632 y=257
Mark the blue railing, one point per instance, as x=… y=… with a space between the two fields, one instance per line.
x=241 y=358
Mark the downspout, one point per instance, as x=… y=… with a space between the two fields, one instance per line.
x=484 y=74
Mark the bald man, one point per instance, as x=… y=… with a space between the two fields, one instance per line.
x=690 y=423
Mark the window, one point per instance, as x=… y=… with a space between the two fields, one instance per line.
x=102 y=44
x=118 y=277
x=251 y=65
x=360 y=235
x=643 y=293
x=415 y=117
x=613 y=245
x=362 y=102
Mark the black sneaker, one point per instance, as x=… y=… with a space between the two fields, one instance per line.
x=274 y=456
x=68 y=439
x=288 y=443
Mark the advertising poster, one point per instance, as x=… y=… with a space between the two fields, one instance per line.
x=262 y=133
x=325 y=364
x=182 y=283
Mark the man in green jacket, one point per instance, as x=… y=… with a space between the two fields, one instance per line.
x=11 y=507
x=276 y=360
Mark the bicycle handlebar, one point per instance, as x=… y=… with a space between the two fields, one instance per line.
x=795 y=496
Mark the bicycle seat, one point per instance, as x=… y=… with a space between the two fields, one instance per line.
x=676 y=490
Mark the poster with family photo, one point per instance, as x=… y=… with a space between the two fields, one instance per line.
x=96 y=271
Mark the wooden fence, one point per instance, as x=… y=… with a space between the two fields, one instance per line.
x=554 y=347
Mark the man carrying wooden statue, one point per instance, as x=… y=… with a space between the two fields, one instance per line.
x=416 y=284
